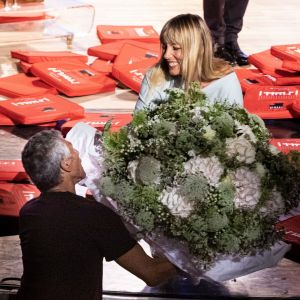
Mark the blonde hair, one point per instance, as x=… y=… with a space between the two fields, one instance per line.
x=198 y=62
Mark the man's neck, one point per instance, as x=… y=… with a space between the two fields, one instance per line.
x=64 y=187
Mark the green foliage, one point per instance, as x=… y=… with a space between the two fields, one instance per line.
x=148 y=171
x=140 y=119
x=195 y=188
x=145 y=219
x=215 y=220
x=226 y=195
x=224 y=125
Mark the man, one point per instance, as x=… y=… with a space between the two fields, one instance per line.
x=64 y=237
x=225 y=20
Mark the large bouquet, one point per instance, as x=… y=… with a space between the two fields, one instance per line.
x=202 y=175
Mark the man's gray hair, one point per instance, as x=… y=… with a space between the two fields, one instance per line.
x=41 y=158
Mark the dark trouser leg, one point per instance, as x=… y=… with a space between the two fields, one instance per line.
x=233 y=15
x=214 y=18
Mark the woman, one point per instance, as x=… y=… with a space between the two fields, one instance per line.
x=187 y=56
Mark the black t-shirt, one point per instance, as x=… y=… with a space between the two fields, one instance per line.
x=64 y=238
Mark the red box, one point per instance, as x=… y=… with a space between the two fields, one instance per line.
x=107 y=51
x=291 y=227
x=286 y=145
x=111 y=50
x=111 y=33
x=99 y=120
x=35 y=110
x=32 y=57
x=130 y=54
x=21 y=85
x=12 y=169
x=132 y=75
x=102 y=66
x=290 y=54
x=266 y=62
x=6 y=121
x=25 y=67
x=272 y=102
x=14 y=196
x=73 y=79
x=273 y=67
x=250 y=77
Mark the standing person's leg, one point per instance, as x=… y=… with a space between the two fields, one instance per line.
x=234 y=12
x=214 y=18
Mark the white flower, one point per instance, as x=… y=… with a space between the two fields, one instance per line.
x=197 y=114
x=205 y=109
x=247 y=184
x=246 y=132
x=177 y=91
x=210 y=167
x=153 y=121
x=237 y=123
x=191 y=153
x=274 y=205
x=134 y=142
x=273 y=149
x=152 y=105
x=131 y=168
x=241 y=149
x=209 y=133
x=176 y=203
x=260 y=169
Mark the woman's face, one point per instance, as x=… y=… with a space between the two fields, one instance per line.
x=173 y=58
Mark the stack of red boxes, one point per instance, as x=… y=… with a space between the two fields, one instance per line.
x=33 y=98
x=15 y=188
x=125 y=54
x=128 y=52
x=272 y=90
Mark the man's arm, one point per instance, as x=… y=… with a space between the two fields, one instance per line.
x=153 y=271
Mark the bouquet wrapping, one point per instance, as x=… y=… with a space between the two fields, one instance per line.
x=199 y=182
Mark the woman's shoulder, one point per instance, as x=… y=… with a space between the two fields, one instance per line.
x=229 y=78
x=157 y=80
x=226 y=87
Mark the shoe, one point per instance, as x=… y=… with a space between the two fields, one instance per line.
x=221 y=52
x=239 y=56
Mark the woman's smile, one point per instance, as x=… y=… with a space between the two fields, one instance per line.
x=173 y=57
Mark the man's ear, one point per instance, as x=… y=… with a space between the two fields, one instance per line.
x=66 y=164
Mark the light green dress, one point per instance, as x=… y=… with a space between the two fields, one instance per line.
x=227 y=87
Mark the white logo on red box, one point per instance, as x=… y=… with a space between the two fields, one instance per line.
x=31 y=102
x=62 y=74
